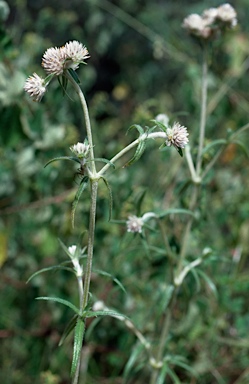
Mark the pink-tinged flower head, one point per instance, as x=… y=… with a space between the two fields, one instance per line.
x=197 y=25
x=75 y=54
x=81 y=150
x=53 y=61
x=134 y=224
x=35 y=87
x=177 y=136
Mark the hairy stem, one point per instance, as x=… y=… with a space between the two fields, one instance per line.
x=203 y=112
x=153 y=135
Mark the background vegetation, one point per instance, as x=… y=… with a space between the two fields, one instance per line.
x=142 y=63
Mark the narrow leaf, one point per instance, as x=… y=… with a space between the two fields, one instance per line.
x=162 y=375
x=78 y=339
x=74 y=75
x=133 y=358
x=173 y=376
x=139 y=151
x=71 y=158
x=103 y=160
x=110 y=196
x=103 y=273
x=138 y=127
x=242 y=146
x=61 y=301
x=209 y=282
x=213 y=144
x=81 y=188
x=115 y=314
x=69 y=328
x=54 y=268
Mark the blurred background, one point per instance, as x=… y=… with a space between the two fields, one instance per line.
x=142 y=63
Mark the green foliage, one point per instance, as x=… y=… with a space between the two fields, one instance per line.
x=142 y=63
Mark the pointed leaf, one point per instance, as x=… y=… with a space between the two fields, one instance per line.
x=61 y=301
x=71 y=158
x=103 y=273
x=54 y=268
x=212 y=144
x=138 y=127
x=103 y=160
x=133 y=358
x=163 y=373
x=110 y=196
x=81 y=188
x=115 y=314
x=242 y=146
x=74 y=75
x=69 y=328
x=209 y=282
x=139 y=151
x=173 y=376
x=78 y=339
x=179 y=150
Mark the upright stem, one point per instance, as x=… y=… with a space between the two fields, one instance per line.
x=94 y=190
x=163 y=336
x=203 y=112
x=87 y=121
x=196 y=187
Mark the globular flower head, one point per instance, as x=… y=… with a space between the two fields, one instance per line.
x=56 y=60
x=35 y=86
x=177 y=135
x=197 y=25
x=53 y=61
x=75 y=54
x=227 y=14
x=211 y=21
x=134 y=224
x=81 y=150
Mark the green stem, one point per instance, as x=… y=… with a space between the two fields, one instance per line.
x=203 y=112
x=163 y=337
x=153 y=135
x=87 y=121
x=94 y=191
x=195 y=194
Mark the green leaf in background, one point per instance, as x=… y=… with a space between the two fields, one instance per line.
x=115 y=280
x=53 y=268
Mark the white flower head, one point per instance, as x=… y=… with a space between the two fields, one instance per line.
x=72 y=250
x=35 y=87
x=53 y=61
x=177 y=136
x=74 y=255
x=134 y=224
x=81 y=150
x=99 y=306
x=197 y=25
x=210 y=15
x=56 y=60
x=227 y=14
x=75 y=54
